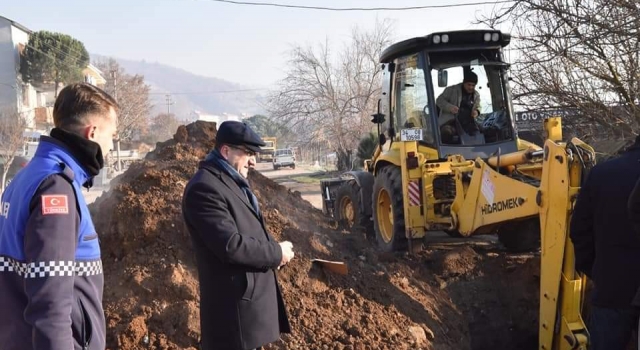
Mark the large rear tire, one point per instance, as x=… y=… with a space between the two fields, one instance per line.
x=388 y=210
x=349 y=211
x=520 y=236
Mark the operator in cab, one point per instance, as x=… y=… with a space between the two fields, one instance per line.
x=461 y=101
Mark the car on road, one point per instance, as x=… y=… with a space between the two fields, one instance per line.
x=284 y=157
x=18 y=163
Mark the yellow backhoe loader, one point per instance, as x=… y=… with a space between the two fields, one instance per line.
x=466 y=174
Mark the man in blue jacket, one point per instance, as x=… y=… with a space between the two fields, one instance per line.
x=51 y=278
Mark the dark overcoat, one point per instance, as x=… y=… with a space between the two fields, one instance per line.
x=607 y=249
x=241 y=305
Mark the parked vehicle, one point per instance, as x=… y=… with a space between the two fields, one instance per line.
x=284 y=157
x=18 y=163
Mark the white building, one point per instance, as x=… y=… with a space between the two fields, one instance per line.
x=94 y=76
x=197 y=115
x=218 y=119
x=15 y=96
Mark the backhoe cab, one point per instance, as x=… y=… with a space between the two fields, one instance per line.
x=465 y=173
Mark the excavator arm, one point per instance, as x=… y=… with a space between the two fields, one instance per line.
x=562 y=288
x=490 y=198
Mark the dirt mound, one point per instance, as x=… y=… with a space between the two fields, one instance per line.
x=445 y=298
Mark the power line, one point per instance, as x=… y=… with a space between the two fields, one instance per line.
x=42 y=52
x=55 y=51
x=364 y=8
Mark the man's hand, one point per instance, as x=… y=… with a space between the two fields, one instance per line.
x=287 y=252
x=454 y=109
x=474 y=113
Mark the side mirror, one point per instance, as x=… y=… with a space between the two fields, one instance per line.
x=443 y=78
x=378 y=118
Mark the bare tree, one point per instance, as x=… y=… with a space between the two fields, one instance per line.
x=132 y=94
x=12 y=127
x=163 y=127
x=580 y=55
x=330 y=98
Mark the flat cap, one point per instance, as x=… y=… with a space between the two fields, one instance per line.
x=239 y=134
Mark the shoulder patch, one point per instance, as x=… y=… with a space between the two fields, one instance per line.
x=55 y=204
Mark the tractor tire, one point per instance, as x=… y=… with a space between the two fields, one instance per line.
x=348 y=213
x=520 y=236
x=388 y=210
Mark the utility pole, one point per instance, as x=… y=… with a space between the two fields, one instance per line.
x=114 y=75
x=169 y=103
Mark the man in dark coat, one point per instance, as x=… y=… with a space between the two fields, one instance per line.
x=607 y=249
x=241 y=305
x=634 y=217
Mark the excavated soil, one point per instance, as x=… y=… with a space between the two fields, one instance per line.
x=445 y=297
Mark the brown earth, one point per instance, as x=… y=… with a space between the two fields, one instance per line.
x=446 y=297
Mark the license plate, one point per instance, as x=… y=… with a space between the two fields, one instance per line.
x=411 y=134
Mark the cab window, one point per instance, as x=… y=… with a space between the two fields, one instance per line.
x=410 y=99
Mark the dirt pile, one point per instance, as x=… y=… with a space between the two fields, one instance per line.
x=449 y=297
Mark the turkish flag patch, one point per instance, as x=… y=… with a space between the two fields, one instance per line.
x=55 y=204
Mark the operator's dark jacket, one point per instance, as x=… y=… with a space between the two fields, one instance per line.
x=607 y=248
x=634 y=217
x=241 y=305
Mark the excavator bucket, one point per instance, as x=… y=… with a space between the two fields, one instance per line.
x=333 y=266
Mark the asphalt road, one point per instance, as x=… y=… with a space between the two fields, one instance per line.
x=289 y=178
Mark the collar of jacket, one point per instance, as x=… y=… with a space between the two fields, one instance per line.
x=206 y=165
x=227 y=180
x=87 y=152
x=52 y=148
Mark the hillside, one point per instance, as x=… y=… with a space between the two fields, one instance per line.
x=191 y=91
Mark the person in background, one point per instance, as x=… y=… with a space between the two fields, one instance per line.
x=607 y=249
x=634 y=216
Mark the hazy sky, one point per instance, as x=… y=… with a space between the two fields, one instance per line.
x=242 y=44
